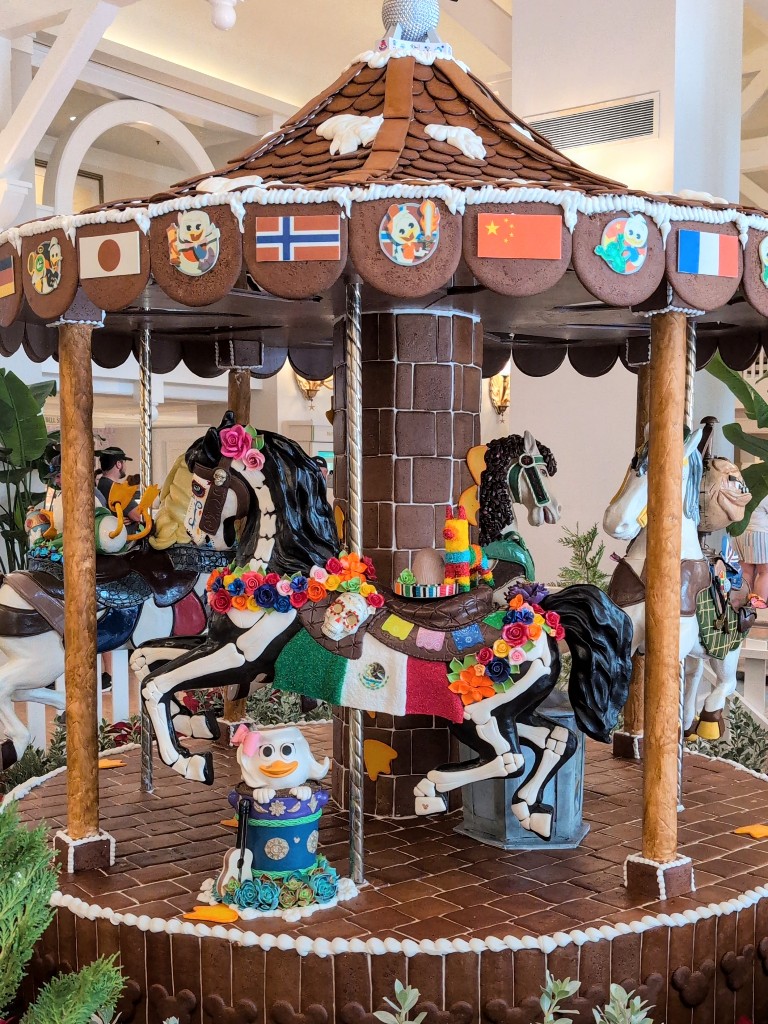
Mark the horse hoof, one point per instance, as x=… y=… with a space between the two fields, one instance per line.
x=711 y=725
x=691 y=733
x=541 y=825
x=199 y=768
x=8 y=755
x=425 y=788
x=430 y=805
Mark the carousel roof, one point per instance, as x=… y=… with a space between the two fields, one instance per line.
x=555 y=258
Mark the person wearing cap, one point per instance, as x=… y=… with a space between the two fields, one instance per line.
x=112 y=461
x=323 y=464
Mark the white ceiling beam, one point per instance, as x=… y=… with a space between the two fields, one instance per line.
x=79 y=36
x=755 y=60
x=753 y=193
x=488 y=23
x=20 y=18
x=754 y=155
x=187 y=105
x=753 y=92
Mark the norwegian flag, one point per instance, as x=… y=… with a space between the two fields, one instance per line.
x=292 y=239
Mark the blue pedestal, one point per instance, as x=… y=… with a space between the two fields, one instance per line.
x=487 y=814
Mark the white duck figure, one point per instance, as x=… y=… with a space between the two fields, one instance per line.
x=278 y=758
x=416 y=19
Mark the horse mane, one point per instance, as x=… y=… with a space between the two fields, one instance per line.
x=692 y=496
x=174 y=501
x=305 y=529
x=497 y=510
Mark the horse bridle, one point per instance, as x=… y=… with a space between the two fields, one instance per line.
x=222 y=480
x=528 y=465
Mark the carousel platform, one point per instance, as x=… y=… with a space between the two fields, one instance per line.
x=472 y=927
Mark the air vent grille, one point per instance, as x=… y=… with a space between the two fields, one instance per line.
x=630 y=119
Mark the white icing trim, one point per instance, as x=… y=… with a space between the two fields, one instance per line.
x=457 y=200
x=24 y=788
x=670 y=308
x=64 y=319
x=661 y=868
x=392 y=47
x=72 y=845
x=348 y=132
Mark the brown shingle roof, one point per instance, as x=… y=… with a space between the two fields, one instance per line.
x=410 y=96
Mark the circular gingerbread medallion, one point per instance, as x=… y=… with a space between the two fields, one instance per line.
x=619 y=258
x=114 y=263
x=409 y=233
x=49 y=273
x=705 y=263
x=196 y=255
x=755 y=280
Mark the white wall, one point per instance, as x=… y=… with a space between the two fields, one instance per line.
x=589 y=423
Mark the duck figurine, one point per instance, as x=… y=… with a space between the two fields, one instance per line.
x=414 y=21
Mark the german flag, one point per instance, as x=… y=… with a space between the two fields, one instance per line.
x=7 y=281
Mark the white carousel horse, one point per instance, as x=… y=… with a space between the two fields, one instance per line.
x=340 y=647
x=625 y=519
x=149 y=592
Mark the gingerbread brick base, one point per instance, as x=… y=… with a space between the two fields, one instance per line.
x=91 y=854
x=628 y=746
x=648 y=879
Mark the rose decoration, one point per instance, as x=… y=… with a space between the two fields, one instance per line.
x=240 y=602
x=334 y=567
x=560 y=633
x=315 y=591
x=284 y=588
x=251 y=581
x=517 y=656
x=501 y=648
x=282 y=603
x=253 y=459
x=235 y=442
x=369 y=566
x=265 y=596
x=299 y=584
x=272 y=579
x=552 y=619
x=236 y=587
x=484 y=655
x=498 y=671
x=352 y=586
x=516 y=634
x=375 y=600
x=407 y=578
x=318 y=573
x=299 y=598
x=333 y=582
x=534 y=632
x=220 y=602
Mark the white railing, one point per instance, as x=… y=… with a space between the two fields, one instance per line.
x=754 y=663
x=758 y=369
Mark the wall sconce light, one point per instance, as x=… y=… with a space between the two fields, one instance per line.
x=311 y=388
x=500 y=393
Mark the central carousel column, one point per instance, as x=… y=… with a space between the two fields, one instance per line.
x=422 y=377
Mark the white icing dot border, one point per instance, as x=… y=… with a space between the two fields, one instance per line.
x=304 y=946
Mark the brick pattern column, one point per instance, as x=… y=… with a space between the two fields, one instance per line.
x=422 y=376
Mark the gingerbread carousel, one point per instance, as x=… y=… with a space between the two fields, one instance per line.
x=410 y=222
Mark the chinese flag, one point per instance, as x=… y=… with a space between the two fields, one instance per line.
x=519 y=236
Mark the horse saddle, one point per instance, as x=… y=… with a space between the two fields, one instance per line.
x=627 y=587
x=437 y=630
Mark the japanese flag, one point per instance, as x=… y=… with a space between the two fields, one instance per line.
x=109 y=255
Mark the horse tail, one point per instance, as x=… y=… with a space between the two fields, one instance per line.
x=599 y=636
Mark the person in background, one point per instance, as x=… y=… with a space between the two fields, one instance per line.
x=752 y=549
x=323 y=466
x=112 y=462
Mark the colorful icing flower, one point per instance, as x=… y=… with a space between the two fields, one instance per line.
x=516 y=634
x=334 y=567
x=517 y=656
x=266 y=595
x=253 y=604
x=218 y=584
x=236 y=586
x=284 y=588
x=235 y=442
x=375 y=600
x=501 y=648
x=306 y=895
x=499 y=670
x=370 y=567
x=220 y=601
x=560 y=633
x=355 y=565
x=282 y=603
x=299 y=584
x=315 y=591
x=484 y=655
x=229 y=578
x=325 y=886
x=240 y=602
x=471 y=686
x=533 y=593
x=251 y=581
x=552 y=619
x=253 y=459
x=268 y=895
x=352 y=585
x=526 y=615
x=318 y=573
x=407 y=578
x=214 y=578
x=366 y=589
x=516 y=602
x=272 y=579
x=333 y=582
x=534 y=632
x=289 y=897
x=245 y=895
x=299 y=598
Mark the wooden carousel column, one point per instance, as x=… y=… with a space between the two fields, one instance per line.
x=659 y=872
x=239 y=401
x=628 y=743
x=83 y=846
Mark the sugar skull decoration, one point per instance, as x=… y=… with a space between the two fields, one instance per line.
x=624 y=245
x=276 y=868
x=345 y=615
x=44 y=266
x=193 y=243
x=410 y=233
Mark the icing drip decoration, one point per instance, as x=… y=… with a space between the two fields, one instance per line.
x=464 y=139
x=348 y=132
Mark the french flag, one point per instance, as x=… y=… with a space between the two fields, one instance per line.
x=704 y=252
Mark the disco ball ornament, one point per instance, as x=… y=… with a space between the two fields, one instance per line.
x=416 y=17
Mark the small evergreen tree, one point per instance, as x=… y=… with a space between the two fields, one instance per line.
x=27 y=882
x=585 y=563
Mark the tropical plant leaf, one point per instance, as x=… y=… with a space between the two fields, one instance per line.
x=42 y=391
x=757 y=446
x=754 y=404
x=22 y=424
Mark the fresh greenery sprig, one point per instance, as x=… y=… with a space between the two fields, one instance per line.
x=624 y=1008
x=407 y=998
x=585 y=563
x=553 y=994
